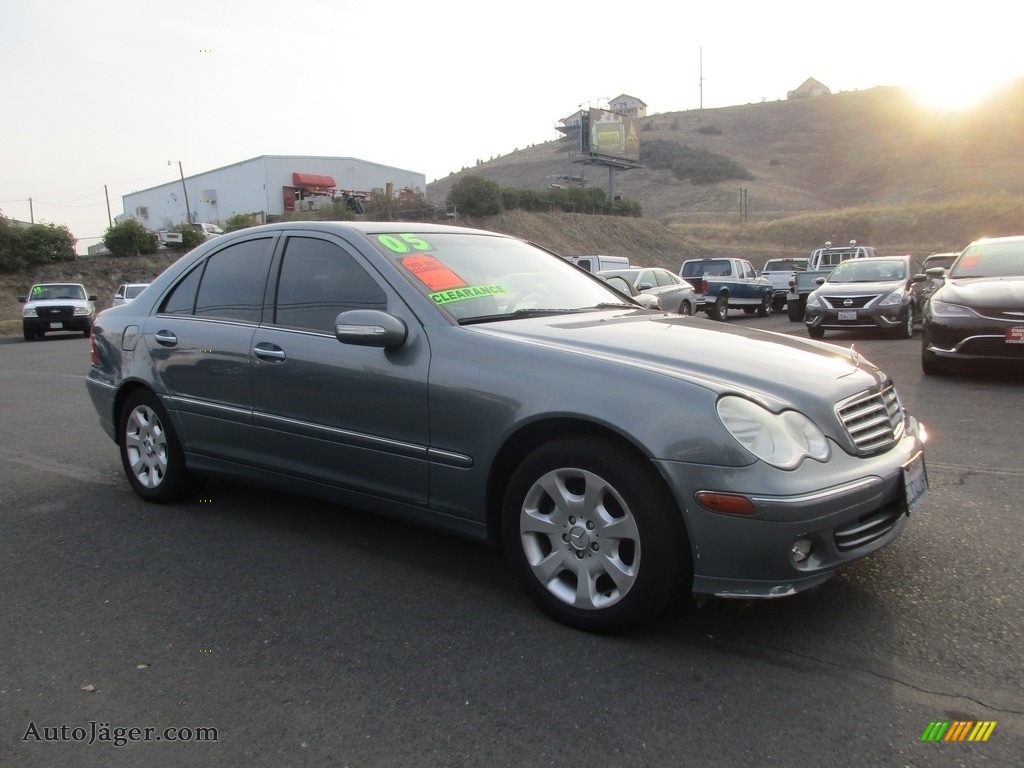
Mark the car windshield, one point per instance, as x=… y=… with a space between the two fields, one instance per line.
x=869 y=271
x=991 y=260
x=712 y=267
x=477 y=277
x=56 y=291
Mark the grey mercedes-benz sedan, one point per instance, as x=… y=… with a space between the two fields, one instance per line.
x=478 y=383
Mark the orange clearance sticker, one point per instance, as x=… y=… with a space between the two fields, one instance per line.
x=432 y=273
x=970 y=260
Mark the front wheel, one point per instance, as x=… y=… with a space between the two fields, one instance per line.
x=766 y=306
x=594 y=535
x=815 y=332
x=150 y=451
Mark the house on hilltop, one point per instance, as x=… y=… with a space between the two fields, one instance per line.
x=810 y=87
x=628 y=105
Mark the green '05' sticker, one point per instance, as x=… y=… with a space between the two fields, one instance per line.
x=471 y=292
x=37 y=289
x=403 y=243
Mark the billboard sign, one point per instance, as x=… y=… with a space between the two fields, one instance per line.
x=609 y=134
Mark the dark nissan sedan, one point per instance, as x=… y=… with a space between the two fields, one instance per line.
x=978 y=312
x=476 y=383
x=878 y=292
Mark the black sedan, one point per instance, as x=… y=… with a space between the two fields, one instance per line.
x=978 y=313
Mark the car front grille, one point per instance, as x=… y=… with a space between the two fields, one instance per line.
x=55 y=313
x=992 y=346
x=873 y=419
x=856 y=302
x=870 y=527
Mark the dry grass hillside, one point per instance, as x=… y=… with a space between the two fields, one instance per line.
x=865 y=148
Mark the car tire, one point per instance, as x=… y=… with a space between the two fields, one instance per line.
x=87 y=332
x=685 y=309
x=932 y=364
x=30 y=335
x=766 y=306
x=778 y=304
x=594 y=535
x=795 y=310
x=815 y=333
x=905 y=329
x=150 y=451
x=720 y=309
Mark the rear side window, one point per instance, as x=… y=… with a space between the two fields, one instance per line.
x=229 y=285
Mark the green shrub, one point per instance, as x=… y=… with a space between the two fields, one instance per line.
x=34 y=244
x=129 y=238
x=709 y=130
x=697 y=165
x=190 y=236
x=475 y=196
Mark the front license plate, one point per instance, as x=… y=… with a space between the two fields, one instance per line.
x=915 y=482
x=1015 y=334
x=56 y=325
x=847 y=314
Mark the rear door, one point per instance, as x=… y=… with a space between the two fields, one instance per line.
x=200 y=344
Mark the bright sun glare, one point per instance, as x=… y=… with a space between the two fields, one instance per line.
x=948 y=91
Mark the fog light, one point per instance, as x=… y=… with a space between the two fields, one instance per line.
x=801 y=550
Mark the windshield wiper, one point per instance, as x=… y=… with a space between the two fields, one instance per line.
x=516 y=315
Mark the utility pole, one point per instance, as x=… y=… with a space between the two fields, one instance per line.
x=106 y=194
x=31 y=213
x=700 y=81
x=184 y=190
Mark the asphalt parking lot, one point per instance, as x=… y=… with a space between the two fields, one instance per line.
x=252 y=628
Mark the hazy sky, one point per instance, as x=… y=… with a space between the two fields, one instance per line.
x=105 y=93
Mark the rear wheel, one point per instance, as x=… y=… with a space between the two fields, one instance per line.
x=766 y=306
x=720 y=309
x=906 y=329
x=150 y=451
x=795 y=310
x=594 y=535
x=685 y=308
x=815 y=333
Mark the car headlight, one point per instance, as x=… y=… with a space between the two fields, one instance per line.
x=780 y=439
x=29 y=312
x=944 y=309
x=813 y=300
x=81 y=310
x=893 y=299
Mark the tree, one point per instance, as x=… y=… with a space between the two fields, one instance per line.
x=475 y=196
x=35 y=244
x=129 y=238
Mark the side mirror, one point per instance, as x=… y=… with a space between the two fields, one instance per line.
x=819 y=280
x=22 y=299
x=644 y=287
x=92 y=298
x=919 y=278
x=370 y=328
x=936 y=272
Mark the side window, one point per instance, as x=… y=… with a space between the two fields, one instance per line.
x=182 y=299
x=319 y=280
x=233 y=282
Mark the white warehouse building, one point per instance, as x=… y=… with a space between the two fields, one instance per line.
x=265 y=186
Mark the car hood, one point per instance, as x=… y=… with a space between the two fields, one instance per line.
x=991 y=292
x=708 y=353
x=57 y=302
x=857 y=289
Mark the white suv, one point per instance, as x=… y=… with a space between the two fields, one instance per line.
x=57 y=307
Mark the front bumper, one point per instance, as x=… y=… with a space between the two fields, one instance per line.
x=973 y=339
x=47 y=324
x=846 y=509
x=885 y=319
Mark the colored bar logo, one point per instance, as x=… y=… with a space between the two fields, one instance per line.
x=959 y=730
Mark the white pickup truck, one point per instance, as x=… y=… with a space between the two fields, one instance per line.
x=820 y=264
x=780 y=272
